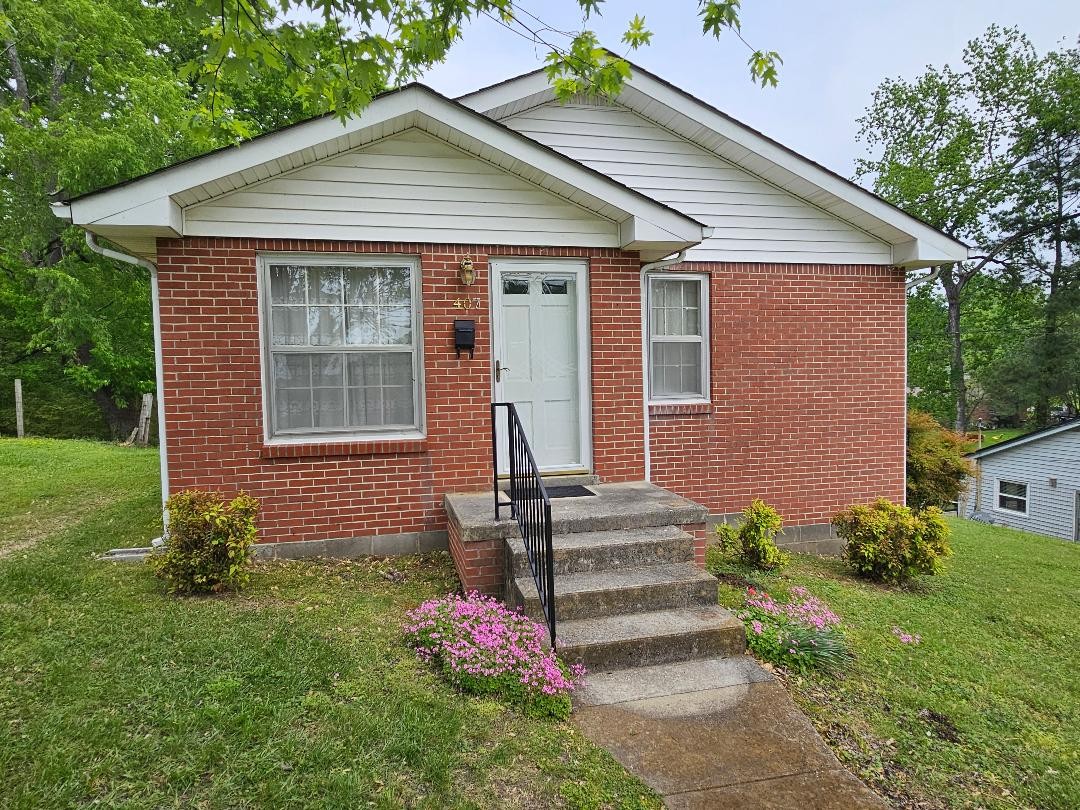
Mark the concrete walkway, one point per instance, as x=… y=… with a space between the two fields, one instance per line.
x=716 y=733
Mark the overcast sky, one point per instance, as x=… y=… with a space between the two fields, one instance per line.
x=835 y=53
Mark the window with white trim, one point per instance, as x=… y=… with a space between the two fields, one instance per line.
x=678 y=327
x=1012 y=497
x=342 y=345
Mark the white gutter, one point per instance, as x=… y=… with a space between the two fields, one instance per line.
x=645 y=270
x=91 y=242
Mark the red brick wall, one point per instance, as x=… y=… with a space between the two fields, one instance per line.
x=807 y=394
x=213 y=402
x=807 y=407
x=617 y=384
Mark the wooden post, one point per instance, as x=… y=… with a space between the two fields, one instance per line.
x=18 y=408
x=143 y=437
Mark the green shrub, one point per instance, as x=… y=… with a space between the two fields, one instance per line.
x=937 y=469
x=208 y=546
x=890 y=543
x=754 y=540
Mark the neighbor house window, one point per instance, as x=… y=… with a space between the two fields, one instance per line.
x=678 y=337
x=1012 y=497
x=342 y=345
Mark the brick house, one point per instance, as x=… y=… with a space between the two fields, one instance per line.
x=666 y=294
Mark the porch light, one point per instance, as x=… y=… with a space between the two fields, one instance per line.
x=467 y=274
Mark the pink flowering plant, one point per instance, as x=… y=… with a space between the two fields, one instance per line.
x=800 y=634
x=914 y=639
x=483 y=647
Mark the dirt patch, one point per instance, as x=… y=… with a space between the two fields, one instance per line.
x=940 y=724
x=734 y=580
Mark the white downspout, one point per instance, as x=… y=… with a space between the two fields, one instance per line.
x=91 y=242
x=923 y=279
x=645 y=269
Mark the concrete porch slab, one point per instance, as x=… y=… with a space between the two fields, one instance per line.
x=631 y=505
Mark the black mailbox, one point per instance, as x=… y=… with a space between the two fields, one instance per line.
x=464 y=337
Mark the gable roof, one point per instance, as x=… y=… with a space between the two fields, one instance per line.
x=136 y=212
x=914 y=243
x=1027 y=438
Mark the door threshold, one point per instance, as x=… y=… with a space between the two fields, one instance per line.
x=558 y=479
x=553 y=473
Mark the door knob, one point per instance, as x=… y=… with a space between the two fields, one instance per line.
x=499 y=369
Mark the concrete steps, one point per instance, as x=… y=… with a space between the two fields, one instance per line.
x=593 y=594
x=611 y=550
x=627 y=591
x=655 y=637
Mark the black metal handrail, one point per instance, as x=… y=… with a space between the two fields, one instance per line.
x=529 y=504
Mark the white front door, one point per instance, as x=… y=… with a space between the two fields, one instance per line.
x=540 y=358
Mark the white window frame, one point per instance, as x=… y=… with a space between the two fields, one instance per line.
x=998 y=493
x=706 y=348
x=271 y=434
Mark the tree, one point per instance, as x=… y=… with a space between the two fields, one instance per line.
x=937 y=467
x=1047 y=198
x=384 y=43
x=928 y=354
x=75 y=116
x=952 y=147
x=97 y=91
x=91 y=96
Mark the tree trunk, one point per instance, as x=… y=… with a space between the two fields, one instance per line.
x=957 y=372
x=1050 y=370
x=121 y=421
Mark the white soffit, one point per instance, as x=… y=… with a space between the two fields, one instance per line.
x=915 y=244
x=152 y=206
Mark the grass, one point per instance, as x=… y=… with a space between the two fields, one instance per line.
x=985 y=712
x=1002 y=435
x=297 y=693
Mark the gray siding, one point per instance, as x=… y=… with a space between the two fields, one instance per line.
x=1051 y=510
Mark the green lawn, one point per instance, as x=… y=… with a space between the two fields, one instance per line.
x=985 y=712
x=1002 y=435
x=299 y=693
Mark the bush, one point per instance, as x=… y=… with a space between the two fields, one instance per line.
x=801 y=634
x=208 y=546
x=754 y=540
x=937 y=469
x=483 y=647
x=890 y=543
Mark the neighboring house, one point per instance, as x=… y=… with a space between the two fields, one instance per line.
x=1031 y=482
x=308 y=283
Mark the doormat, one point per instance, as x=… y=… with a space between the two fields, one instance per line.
x=575 y=491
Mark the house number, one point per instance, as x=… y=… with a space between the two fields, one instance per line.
x=467 y=303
